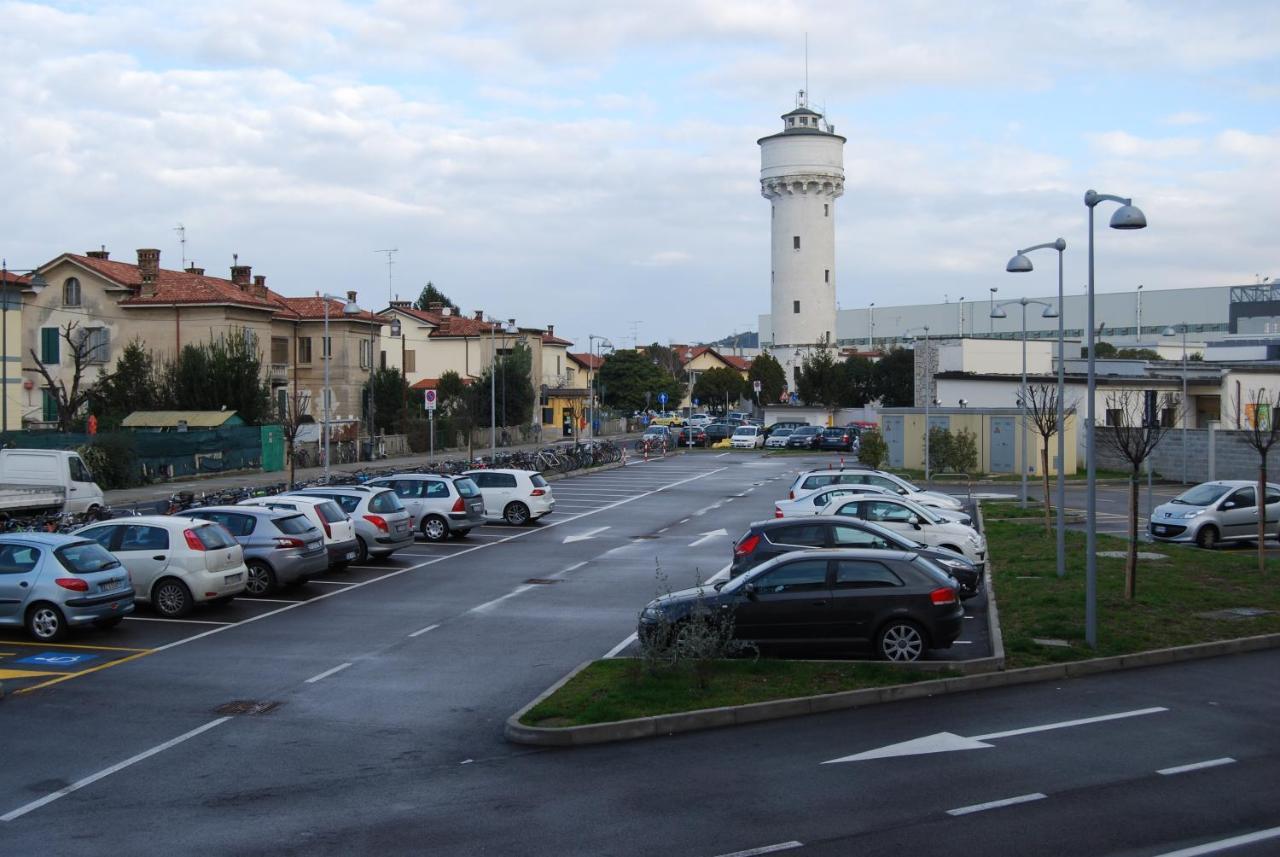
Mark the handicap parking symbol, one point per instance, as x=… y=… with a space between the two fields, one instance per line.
x=57 y=659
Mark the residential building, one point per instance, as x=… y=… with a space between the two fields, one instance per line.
x=11 y=286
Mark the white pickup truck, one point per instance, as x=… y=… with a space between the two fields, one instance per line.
x=46 y=480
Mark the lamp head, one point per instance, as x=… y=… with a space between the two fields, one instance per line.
x=998 y=312
x=351 y=308
x=1019 y=264
x=1169 y=331
x=1128 y=217
x=1049 y=312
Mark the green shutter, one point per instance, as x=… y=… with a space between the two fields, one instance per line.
x=50 y=407
x=49 y=346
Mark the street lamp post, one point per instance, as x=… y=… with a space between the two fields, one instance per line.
x=37 y=282
x=493 y=384
x=960 y=320
x=1127 y=216
x=397 y=332
x=1169 y=331
x=593 y=340
x=871 y=326
x=1021 y=264
x=928 y=395
x=1049 y=312
x=349 y=309
x=991 y=324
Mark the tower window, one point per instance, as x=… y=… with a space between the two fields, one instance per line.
x=826 y=275
x=795 y=242
x=804 y=120
x=795 y=307
x=773 y=276
x=826 y=209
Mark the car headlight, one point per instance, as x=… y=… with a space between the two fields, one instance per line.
x=974 y=540
x=954 y=563
x=1193 y=514
x=651 y=613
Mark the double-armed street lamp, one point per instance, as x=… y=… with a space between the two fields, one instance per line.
x=1169 y=331
x=1049 y=312
x=1127 y=216
x=1020 y=264
x=928 y=391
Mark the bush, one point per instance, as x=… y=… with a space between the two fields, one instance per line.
x=112 y=459
x=418 y=434
x=873 y=451
x=952 y=453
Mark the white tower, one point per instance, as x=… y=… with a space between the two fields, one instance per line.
x=801 y=174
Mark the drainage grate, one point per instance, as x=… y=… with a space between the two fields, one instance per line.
x=247 y=706
x=643 y=538
x=541 y=581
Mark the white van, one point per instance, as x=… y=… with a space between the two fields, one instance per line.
x=57 y=470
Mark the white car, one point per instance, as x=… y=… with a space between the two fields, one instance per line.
x=811 y=480
x=174 y=562
x=915 y=522
x=339 y=531
x=515 y=496
x=813 y=502
x=777 y=439
x=699 y=420
x=747 y=437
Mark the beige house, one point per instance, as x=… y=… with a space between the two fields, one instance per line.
x=696 y=359
x=11 y=353
x=116 y=303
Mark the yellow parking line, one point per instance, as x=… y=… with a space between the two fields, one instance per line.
x=22 y=673
x=69 y=646
x=134 y=657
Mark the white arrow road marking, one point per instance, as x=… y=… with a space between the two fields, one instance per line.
x=582 y=537
x=944 y=742
x=706 y=537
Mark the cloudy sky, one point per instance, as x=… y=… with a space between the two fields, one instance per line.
x=593 y=164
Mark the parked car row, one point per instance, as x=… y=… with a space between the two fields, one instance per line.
x=855 y=565
x=173 y=563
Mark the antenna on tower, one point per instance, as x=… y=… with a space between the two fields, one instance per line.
x=390 y=262
x=806 y=61
x=182 y=239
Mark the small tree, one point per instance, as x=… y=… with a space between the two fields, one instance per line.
x=821 y=379
x=131 y=386
x=859 y=387
x=894 y=379
x=1133 y=435
x=431 y=295
x=720 y=385
x=390 y=394
x=69 y=400
x=872 y=450
x=1042 y=411
x=1261 y=431
x=292 y=412
x=772 y=377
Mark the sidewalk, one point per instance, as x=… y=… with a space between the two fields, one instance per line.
x=127 y=497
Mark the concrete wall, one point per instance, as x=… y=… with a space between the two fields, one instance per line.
x=979 y=423
x=1232 y=457
x=995 y=356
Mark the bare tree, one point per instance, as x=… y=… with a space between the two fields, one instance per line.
x=83 y=350
x=1261 y=431
x=292 y=413
x=1134 y=432
x=1042 y=410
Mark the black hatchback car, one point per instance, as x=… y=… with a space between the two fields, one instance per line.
x=898 y=604
x=713 y=432
x=805 y=437
x=837 y=437
x=765 y=540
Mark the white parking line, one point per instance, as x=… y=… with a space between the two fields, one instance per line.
x=327 y=673
x=419 y=633
x=1196 y=766
x=480 y=608
x=106 y=772
x=333 y=582
x=765 y=849
x=180 y=621
x=270 y=600
x=1225 y=844
x=996 y=804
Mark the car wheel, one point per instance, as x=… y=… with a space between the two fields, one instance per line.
x=45 y=623
x=900 y=640
x=1207 y=537
x=108 y=623
x=171 y=598
x=260 y=580
x=362 y=550
x=516 y=514
x=435 y=528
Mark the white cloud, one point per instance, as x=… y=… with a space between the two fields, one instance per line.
x=1185 y=117
x=1124 y=145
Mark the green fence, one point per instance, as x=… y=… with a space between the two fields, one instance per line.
x=154 y=456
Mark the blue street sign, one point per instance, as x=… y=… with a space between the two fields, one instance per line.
x=57 y=659
x=662 y=398
x=695 y=401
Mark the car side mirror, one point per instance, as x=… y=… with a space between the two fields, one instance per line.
x=1230 y=504
x=749 y=589
x=914 y=520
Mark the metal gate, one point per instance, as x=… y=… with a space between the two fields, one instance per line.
x=1002 y=445
x=893 y=438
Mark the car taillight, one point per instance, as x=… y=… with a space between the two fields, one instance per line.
x=75 y=584
x=777 y=513
x=943 y=595
x=537 y=492
x=328 y=532
x=193 y=541
x=380 y=522
x=458 y=506
x=288 y=542
x=791 y=495
x=747 y=545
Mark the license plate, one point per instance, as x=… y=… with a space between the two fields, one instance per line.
x=233 y=578
x=400 y=528
x=351 y=554
x=108 y=585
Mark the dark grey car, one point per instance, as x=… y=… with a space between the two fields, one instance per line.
x=279 y=547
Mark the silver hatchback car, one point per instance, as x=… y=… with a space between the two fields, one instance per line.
x=440 y=506
x=1215 y=512
x=50 y=582
x=383 y=526
x=280 y=546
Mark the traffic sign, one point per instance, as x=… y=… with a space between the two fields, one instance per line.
x=430 y=399
x=755 y=385
x=662 y=398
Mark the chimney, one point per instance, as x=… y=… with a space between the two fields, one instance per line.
x=351 y=297
x=148 y=265
x=401 y=304
x=99 y=254
x=240 y=276
x=551 y=330
x=260 y=286
x=479 y=315
x=434 y=306
x=446 y=311
x=192 y=269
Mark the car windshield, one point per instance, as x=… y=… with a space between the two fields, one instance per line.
x=538 y=481
x=807 y=430
x=330 y=512
x=467 y=488
x=1202 y=495
x=782 y=432
x=293 y=524
x=744 y=431
x=85 y=558
x=928 y=567
x=834 y=432
x=385 y=501
x=214 y=536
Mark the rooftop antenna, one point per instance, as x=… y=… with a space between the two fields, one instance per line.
x=390 y=261
x=806 y=61
x=182 y=239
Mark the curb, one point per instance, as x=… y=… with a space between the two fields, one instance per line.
x=736 y=715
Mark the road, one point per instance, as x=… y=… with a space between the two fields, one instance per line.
x=380 y=696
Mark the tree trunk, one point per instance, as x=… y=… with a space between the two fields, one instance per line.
x=1131 y=559
x=1044 y=472
x=1262 y=517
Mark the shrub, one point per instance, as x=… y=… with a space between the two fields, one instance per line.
x=873 y=451
x=112 y=459
x=964 y=451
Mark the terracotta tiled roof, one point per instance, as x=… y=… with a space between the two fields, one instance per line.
x=313 y=308
x=743 y=363
x=11 y=277
x=174 y=287
x=449 y=325
x=432 y=383
x=552 y=339
x=586 y=361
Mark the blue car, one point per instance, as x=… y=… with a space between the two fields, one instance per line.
x=50 y=583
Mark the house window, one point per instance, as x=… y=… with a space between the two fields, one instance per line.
x=557 y=364
x=410 y=361
x=804 y=120
x=795 y=306
x=382 y=360
x=71 y=292
x=50 y=354
x=279 y=350
x=97 y=344
x=1114 y=416
x=328 y=347
x=49 y=406
x=548 y=416
x=795 y=242
x=364 y=354
x=1168 y=417
x=826 y=209
x=304 y=350
x=826 y=275
x=251 y=339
